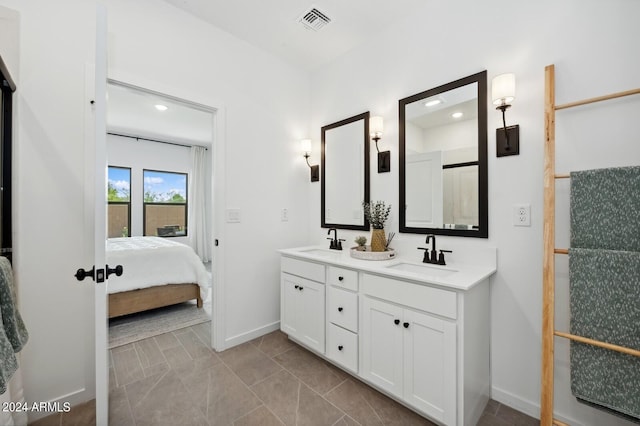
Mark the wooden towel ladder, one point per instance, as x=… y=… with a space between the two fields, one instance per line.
x=548 y=268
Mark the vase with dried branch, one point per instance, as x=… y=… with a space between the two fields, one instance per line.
x=377 y=214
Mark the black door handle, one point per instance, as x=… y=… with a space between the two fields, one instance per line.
x=340 y=347
x=396 y=321
x=340 y=309
x=81 y=274
x=117 y=270
x=406 y=325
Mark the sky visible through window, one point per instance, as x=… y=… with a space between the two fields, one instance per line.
x=165 y=187
x=119 y=184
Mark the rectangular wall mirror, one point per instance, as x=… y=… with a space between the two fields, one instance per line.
x=443 y=159
x=345 y=173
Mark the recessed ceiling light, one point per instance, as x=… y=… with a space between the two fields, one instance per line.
x=433 y=102
x=456 y=115
x=161 y=107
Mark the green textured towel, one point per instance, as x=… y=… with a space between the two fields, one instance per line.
x=13 y=333
x=605 y=209
x=605 y=305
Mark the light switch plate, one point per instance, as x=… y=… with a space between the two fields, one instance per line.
x=522 y=215
x=233 y=215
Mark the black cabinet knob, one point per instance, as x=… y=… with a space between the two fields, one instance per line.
x=340 y=309
x=396 y=321
x=406 y=325
x=297 y=286
x=301 y=288
x=340 y=278
x=340 y=347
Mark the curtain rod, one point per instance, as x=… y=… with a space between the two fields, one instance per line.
x=155 y=140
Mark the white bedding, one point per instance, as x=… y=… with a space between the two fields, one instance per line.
x=152 y=261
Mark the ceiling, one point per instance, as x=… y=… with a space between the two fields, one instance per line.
x=273 y=25
x=133 y=112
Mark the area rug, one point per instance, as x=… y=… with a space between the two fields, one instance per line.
x=131 y=328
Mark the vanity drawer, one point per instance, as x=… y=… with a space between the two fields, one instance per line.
x=345 y=278
x=343 y=308
x=342 y=347
x=423 y=297
x=310 y=270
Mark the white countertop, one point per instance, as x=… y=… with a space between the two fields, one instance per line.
x=466 y=275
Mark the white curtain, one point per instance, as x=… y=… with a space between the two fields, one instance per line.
x=198 y=223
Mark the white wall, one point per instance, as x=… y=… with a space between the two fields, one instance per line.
x=591 y=44
x=139 y=155
x=151 y=44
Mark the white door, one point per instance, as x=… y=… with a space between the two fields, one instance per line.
x=430 y=365
x=100 y=205
x=288 y=304
x=382 y=344
x=424 y=204
x=311 y=313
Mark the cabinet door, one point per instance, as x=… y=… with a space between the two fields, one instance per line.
x=310 y=315
x=381 y=334
x=289 y=295
x=430 y=365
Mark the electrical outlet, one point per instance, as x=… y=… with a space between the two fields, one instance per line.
x=522 y=215
x=284 y=215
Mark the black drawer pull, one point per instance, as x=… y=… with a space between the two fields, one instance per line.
x=406 y=325
x=341 y=278
x=297 y=287
x=340 y=309
x=396 y=321
x=340 y=347
x=301 y=288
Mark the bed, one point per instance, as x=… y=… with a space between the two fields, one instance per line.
x=157 y=272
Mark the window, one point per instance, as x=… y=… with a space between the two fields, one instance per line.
x=119 y=198
x=165 y=203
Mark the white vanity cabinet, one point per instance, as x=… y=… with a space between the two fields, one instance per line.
x=412 y=355
x=342 y=317
x=421 y=339
x=302 y=302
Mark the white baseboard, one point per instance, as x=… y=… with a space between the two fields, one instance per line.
x=250 y=335
x=528 y=407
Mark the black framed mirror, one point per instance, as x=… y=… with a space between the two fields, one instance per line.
x=443 y=159
x=345 y=173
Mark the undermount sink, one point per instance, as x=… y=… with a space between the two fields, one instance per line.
x=322 y=252
x=423 y=269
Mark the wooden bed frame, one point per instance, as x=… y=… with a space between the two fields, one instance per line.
x=129 y=302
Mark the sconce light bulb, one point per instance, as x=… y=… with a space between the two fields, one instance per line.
x=503 y=89
x=305 y=146
x=376 y=127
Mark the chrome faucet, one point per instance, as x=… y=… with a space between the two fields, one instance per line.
x=336 y=244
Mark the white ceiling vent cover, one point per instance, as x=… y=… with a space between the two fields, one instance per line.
x=314 y=19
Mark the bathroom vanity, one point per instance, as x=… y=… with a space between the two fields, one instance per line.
x=419 y=333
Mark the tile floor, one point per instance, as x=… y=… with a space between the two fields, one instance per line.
x=176 y=379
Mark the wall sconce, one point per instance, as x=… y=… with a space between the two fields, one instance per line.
x=503 y=92
x=315 y=170
x=375 y=131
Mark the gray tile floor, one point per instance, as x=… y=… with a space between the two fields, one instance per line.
x=176 y=379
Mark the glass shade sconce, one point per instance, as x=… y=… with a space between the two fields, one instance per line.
x=305 y=145
x=375 y=131
x=503 y=92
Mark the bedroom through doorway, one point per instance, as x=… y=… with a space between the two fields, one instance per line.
x=159 y=218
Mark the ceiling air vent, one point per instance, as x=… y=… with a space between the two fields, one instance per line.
x=314 y=19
